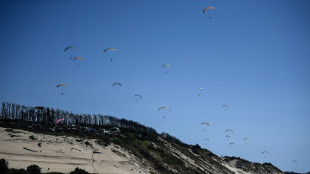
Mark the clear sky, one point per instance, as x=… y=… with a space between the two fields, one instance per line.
x=251 y=55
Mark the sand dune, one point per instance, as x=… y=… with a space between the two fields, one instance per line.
x=64 y=154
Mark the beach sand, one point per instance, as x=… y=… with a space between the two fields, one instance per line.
x=64 y=154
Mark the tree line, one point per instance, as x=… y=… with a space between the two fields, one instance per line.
x=20 y=115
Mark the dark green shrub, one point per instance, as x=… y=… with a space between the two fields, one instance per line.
x=79 y=171
x=18 y=171
x=33 y=169
x=3 y=166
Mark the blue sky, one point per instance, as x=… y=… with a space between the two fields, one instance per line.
x=251 y=55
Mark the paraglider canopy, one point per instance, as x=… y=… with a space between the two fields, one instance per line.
x=61 y=84
x=246 y=140
x=80 y=58
x=207 y=8
x=164 y=107
x=71 y=47
x=115 y=129
x=166 y=65
x=61 y=119
x=117 y=84
x=137 y=95
x=111 y=49
x=205 y=123
x=229 y=130
x=199 y=89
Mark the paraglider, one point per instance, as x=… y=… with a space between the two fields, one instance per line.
x=207 y=140
x=265 y=153
x=115 y=130
x=61 y=119
x=295 y=162
x=208 y=8
x=206 y=123
x=246 y=140
x=78 y=58
x=60 y=85
x=199 y=90
x=225 y=107
x=165 y=67
x=231 y=144
x=228 y=137
x=117 y=85
x=111 y=52
x=71 y=51
x=164 y=108
x=138 y=97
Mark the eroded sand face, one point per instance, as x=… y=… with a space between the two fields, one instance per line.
x=64 y=154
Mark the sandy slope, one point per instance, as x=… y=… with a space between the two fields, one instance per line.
x=64 y=154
